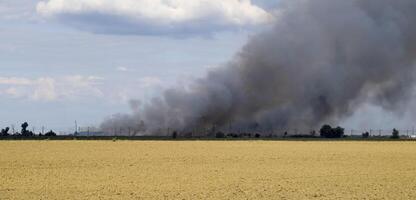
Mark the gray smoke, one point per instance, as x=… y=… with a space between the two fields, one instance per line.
x=320 y=60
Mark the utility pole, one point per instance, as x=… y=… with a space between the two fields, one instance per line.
x=76 y=128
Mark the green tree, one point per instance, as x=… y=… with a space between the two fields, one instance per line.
x=395 y=134
x=338 y=132
x=5 y=132
x=328 y=132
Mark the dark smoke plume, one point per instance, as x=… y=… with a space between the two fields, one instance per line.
x=319 y=61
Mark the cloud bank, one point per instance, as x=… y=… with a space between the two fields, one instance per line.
x=155 y=17
x=51 y=89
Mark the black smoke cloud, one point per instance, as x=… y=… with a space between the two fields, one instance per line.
x=318 y=63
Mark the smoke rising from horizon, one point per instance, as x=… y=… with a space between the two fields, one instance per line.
x=320 y=61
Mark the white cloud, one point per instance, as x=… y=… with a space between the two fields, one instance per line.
x=149 y=17
x=45 y=90
x=51 y=89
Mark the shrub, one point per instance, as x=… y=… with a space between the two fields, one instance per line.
x=257 y=135
x=366 y=135
x=50 y=134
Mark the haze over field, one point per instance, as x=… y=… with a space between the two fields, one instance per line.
x=194 y=64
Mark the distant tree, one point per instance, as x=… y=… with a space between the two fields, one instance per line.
x=257 y=135
x=174 y=135
x=395 y=134
x=220 y=134
x=50 y=134
x=5 y=131
x=24 y=128
x=338 y=132
x=285 y=134
x=24 y=131
x=313 y=133
x=366 y=134
x=327 y=131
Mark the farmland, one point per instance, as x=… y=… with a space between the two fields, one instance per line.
x=207 y=170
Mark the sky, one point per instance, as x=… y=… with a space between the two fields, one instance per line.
x=59 y=65
x=66 y=61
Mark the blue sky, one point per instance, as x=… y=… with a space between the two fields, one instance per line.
x=53 y=73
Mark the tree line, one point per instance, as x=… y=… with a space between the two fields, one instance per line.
x=25 y=132
x=326 y=131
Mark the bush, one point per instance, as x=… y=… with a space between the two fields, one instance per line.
x=174 y=135
x=395 y=134
x=366 y=135
x=257 y=135
x=50 y=134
